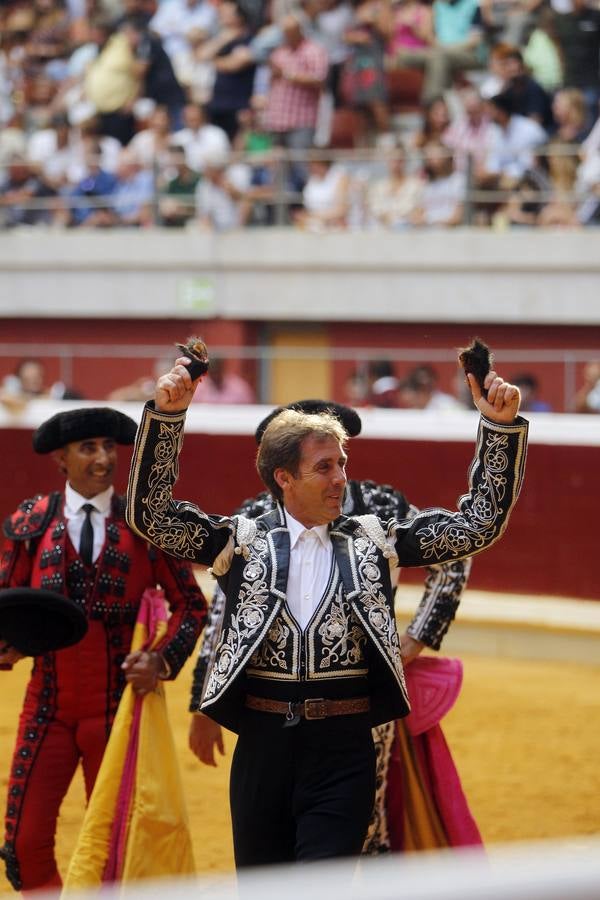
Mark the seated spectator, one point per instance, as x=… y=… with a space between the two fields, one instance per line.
x=529 y=98
x=143 y=388
x=222 y=201
x=364 y=85
x=150 y=146
x=28 y=382
x=97 y=186
x=587 y=398
x=133 y=194
x=176 y=203
x=391 y=200
x=458 y=37
x=513 y=140
x=419 y=390
x=527 y=201
x=570 y=117
x=443 y=196
x=221 y=385
x=55 y=153
x=253 y=140
x=529 y=387
x=384 y=385
x=325 y=197
x=436 y=121
x=199 y=138
x=469 y=135
x=23 y=196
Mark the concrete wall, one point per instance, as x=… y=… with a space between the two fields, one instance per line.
x=462 y=275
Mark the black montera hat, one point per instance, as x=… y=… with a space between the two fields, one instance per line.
x=79 y=424
x=347 y=416
x=35 y=621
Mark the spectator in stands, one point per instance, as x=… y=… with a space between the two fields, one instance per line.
x=542 y=55
x=587 y=398
x=458 y=38
x=529 y=98
x=420 y=390
x=23 y=196
x=527 y=201
x=578 y=35
x=232 y=87
x=176 y=203
x=364 y=84
x=509 y=21
x=569 y=112
x=470 y=133
x=391 y=200
x=53 y=151
x=222 y=201
x=150 y=146
x=436 y=119
x=384 y=384
x=97 y=185
x=513 y=141
x=113 y=81
x=298 y=73
x=442 y=199
x=133 y=194
x=181 y=24
x=412 y=26
x=328 y=25
x=199 y=138
x=253 y=140
x=325 y=197
x=530 y=390
x=222 y=385
x=158 y=80
x=28 y=382
x=142 y=389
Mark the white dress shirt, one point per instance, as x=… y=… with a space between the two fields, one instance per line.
x=311 y=555
x=75 y=516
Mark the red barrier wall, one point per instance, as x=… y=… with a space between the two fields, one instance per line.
x=552 y=540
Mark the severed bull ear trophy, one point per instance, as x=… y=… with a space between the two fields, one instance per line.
x=477 y=360
x=197 y=352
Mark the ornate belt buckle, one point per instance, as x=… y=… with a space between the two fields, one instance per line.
x=315 y=709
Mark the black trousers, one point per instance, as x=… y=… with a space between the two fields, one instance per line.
x=301 y=793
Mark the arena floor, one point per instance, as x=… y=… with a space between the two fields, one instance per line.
x=525 y=735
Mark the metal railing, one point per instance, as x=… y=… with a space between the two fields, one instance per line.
x=263 y=356
x=279 y=196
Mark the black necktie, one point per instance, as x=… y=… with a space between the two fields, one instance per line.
x=86 y=542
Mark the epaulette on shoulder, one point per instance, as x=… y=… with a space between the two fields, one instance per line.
x=257 y=506
x=31 y=517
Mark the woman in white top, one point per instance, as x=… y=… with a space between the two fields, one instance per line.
x=325 y=197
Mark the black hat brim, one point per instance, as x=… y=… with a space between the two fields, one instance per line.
x=347 y=416
x=35 y=621
x=79 y=424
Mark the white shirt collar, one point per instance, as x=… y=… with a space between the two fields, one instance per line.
x=74 y=501
x=296 y=528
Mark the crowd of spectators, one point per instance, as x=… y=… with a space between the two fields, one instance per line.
x=220 y=114
x=372 y=384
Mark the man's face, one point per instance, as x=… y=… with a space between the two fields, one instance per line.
x=314 y=496
x=89 y=465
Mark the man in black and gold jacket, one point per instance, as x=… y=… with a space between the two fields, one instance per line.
x=309 y=655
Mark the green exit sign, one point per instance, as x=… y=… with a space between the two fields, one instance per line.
x=197 y=295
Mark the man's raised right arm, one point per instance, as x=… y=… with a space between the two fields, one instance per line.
x=178 y=527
